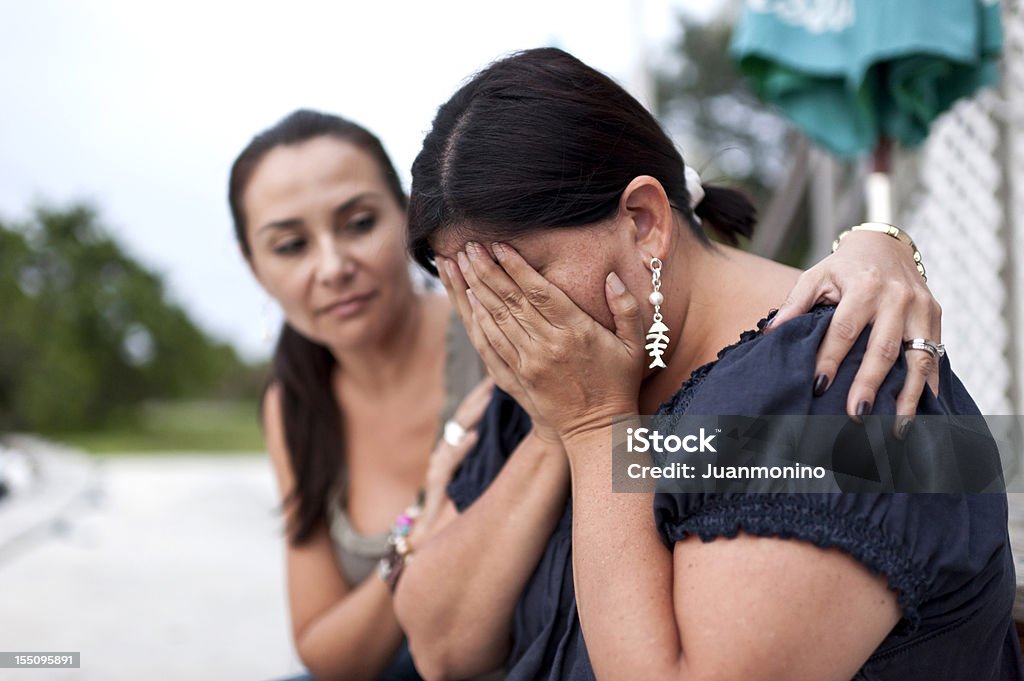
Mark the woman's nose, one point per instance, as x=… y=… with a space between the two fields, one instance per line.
x=333 y=265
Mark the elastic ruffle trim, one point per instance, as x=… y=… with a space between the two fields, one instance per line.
x=823 y=528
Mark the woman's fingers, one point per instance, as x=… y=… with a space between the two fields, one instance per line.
x=629 y=326
x=923 y=321
x=443 y=464
x=494 y=334
x=895 y=315
x=499 y=372
x=882 y=352
x=812 y=287
x=471 y=318
x=542 y=296
x=473 y=405
x=455 y=285
x=496 y=292
x=447 y=457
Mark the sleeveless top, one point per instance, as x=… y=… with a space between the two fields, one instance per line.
x=947 y=555
x=358 y=554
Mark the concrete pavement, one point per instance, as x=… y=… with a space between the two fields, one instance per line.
x=162 y=567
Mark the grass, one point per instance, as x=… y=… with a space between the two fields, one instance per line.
x=184 y=426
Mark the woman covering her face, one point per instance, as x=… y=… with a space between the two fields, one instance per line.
x=366 y=369
x=571 y=239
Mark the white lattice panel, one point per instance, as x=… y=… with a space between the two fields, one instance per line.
x=962 y=196
x=1013 y=89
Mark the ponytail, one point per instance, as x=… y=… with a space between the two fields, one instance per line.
x=727 y=212
x=313 y=432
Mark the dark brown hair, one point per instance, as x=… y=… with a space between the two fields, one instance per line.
x=301 y=367
x=539 y=140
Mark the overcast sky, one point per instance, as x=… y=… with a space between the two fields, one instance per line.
x=141 y=106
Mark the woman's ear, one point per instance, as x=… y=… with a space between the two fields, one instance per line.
x=645 y=205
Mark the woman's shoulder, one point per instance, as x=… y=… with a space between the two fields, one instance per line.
x=756 y=374
x=773 y=373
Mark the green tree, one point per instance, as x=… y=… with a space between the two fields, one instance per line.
x=703 y=100
x=727 y=133
x=88 y=332
x=16 y=310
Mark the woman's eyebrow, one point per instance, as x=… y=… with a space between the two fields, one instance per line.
x=287 y=223
x=293 y=223
x=352 y=202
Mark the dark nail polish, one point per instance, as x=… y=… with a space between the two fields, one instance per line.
x=820 y=385
x=905 y=427
x=863 y=408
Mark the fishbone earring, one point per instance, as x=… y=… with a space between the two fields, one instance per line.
x=657 y=333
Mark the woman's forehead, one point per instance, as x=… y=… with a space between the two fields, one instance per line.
x=537 y=244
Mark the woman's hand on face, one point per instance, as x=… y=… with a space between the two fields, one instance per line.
x=874 y=280
x=456 y=287
x=447 y=457
x=574 y=374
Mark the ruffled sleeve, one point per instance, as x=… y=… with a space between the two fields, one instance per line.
x=936 y=550
x=503 y=425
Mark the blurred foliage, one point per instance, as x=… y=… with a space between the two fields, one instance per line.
x=88 y=333
x=728 y=134
x=703 y=99
x=179 y=426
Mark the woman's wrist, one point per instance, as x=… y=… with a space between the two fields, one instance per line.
x=599 y=436
x=891 y=231
x=585 y=425
x=545 y=437
x=400 y=545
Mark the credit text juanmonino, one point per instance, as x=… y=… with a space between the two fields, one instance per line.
x=646 y=440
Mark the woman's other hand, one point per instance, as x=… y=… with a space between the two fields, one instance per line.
x=874 y=280
x=447 y=457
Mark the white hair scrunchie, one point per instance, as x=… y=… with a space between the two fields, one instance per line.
x=693 y=186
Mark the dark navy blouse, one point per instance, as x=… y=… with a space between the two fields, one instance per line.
x=947 y=556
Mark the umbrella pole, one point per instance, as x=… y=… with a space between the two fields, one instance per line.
x=878 y=193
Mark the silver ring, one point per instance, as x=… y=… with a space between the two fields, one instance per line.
x=453 y=432
x=937 y=350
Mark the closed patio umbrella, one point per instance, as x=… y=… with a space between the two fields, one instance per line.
x=855 y=74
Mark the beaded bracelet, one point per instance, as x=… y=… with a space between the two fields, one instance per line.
x=894 y=232
x=399 y=549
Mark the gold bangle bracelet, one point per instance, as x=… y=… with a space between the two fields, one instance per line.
x=890 y=230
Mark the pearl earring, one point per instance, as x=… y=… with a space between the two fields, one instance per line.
x=657 y=333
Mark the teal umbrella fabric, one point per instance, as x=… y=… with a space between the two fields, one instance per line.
x=850 y=72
